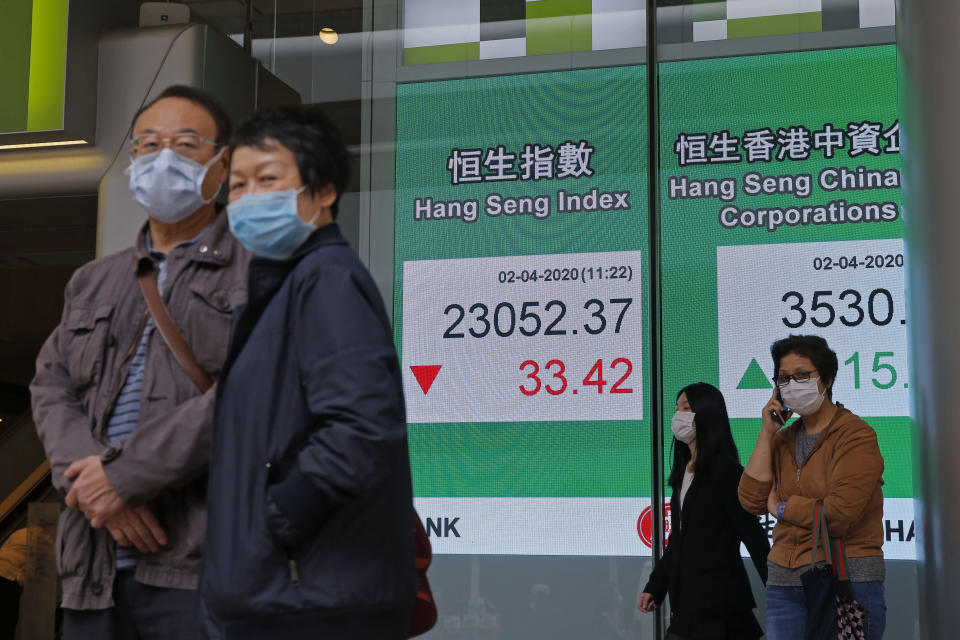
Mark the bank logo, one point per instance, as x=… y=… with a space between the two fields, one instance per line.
x=645 y=525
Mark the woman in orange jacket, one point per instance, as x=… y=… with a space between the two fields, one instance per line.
x=828 y=454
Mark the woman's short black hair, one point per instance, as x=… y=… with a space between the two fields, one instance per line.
x=714 y=438
x=813 y=348
x=201 y=98
x=315 y=142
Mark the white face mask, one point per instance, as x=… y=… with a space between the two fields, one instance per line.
x=803 y=397
x=682 y=426
x=168 y=185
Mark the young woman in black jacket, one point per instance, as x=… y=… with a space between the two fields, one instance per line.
x=701 y=569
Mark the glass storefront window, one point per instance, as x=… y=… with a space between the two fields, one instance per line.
x=504 y=209
x=788 y=220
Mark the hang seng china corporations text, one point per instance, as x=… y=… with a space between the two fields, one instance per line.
x=844 y=148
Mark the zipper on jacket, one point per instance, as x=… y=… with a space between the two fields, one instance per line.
x=291 y=563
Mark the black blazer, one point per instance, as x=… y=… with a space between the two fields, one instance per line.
x=701 y=567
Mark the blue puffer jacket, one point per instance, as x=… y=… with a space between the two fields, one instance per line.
x=309 y=500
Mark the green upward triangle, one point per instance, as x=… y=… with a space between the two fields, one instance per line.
x=754 y=378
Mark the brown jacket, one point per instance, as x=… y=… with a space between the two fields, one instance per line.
x=844 y=469
x=80 y=371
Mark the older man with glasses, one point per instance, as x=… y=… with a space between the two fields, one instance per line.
x=125 y=426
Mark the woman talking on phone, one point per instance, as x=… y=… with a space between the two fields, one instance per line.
x=701 y=569
x=828 y=454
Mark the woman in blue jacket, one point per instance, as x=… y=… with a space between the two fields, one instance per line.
x=701 y=569
x=310 y=512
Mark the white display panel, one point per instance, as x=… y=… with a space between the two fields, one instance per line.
x=523 y=338
x=850 y=292
x=588 y=526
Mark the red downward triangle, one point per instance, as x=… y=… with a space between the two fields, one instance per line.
x=426 y=374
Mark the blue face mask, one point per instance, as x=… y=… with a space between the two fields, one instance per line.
x=267 y=224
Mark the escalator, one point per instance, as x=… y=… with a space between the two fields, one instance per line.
x=24 y=472
x=28 y=514
x=44 y=237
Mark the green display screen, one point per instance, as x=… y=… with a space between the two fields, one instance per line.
x=521 y=297
x=787 y=219
x=522 y=281
x=33 y=64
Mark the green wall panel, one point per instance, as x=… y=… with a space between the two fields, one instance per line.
x=15 y=19
x=33 y=57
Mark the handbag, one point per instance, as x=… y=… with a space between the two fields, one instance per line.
x=832 y=613
x=423 y=616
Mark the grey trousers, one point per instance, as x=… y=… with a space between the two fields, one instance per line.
x=141 y=612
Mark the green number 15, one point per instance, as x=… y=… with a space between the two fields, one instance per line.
x=878 y=366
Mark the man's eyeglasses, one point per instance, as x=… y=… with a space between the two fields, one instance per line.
x=186 y=144
x=783 y=379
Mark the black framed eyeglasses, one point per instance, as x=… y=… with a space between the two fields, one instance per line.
x=800 y=376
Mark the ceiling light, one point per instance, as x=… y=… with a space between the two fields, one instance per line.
x=32 y=145
x=329 y=35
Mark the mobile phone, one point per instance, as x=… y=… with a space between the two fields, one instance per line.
x=776 y=414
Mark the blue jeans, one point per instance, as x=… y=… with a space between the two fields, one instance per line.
x=787 y=613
